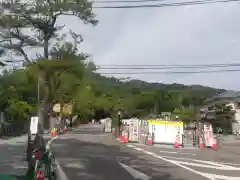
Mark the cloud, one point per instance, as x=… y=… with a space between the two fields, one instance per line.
x=200 y=34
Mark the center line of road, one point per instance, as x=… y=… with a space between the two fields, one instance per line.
x=180 y=164
x=177 y=152
x=219 y=164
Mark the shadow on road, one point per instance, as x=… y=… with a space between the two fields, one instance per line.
x=97 y=161
x=12 y=159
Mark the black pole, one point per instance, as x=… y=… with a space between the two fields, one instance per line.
x=118 y=125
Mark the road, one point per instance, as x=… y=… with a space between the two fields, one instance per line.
x=89 y=154
x=208 y=163
x=13 y=156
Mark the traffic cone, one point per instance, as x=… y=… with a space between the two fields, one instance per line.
x=214 y=145
x=54 y=132
x=125 y=137
x=65 y=129
x=177 y=141
x=113 y=131
x=149 y=140
x=201 y=145
x=122 y=138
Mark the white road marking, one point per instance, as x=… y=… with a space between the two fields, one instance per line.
x=184 y=167
x=222 y=177
x=129 y=145
x=222 y=164
x=228 y=163
x=177 y=152
x=207 y=166
x=139 y=149
x=136 y=174
x=206 y=175
x=60 y=172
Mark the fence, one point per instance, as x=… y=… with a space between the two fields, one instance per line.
x=13 y=129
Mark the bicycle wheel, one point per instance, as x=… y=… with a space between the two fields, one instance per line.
x=52 y=167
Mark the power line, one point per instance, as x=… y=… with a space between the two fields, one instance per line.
x=132 y=67
x=125 y=1
x=168 y=65
x=174 y=72
x=186 y=3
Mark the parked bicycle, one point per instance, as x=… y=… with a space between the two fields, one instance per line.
x=45 y=166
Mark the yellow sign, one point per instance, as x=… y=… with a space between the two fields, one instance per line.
x=67 y=109
x=169 y=123
x=57 y=108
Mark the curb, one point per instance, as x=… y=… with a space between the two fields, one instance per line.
x=59 y=171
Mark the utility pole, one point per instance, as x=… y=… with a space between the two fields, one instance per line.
x=39 y=108
x=198 y=118
x=118 y=123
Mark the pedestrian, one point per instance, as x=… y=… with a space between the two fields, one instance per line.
x=58 y=120
x=67 y=122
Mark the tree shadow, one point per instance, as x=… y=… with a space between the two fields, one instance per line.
x=13 y=160
x=97 y=161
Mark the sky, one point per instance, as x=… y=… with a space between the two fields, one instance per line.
x=202 y=34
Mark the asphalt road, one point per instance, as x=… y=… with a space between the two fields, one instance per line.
x=13 y=156
x=88 y=154
x=211 y=164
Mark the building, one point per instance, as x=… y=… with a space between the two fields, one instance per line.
x=230 y=98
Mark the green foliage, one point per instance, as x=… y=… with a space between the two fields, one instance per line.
x=62 y=73
x=93 y=95
x=187 y=115
x=220 y=115
x=40 y=16
x=19 y=110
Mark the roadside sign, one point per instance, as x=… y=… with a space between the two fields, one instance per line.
x=34 y=125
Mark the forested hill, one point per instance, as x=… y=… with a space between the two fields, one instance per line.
x=193 y=90
x=141 y=98
x=96 y=96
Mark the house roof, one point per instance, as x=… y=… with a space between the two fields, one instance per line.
x=233 y=95
x=229 y=94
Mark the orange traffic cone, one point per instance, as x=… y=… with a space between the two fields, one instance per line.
x=54 y=132
x=214 y=145
x=149 y=140
x=177 y=141
x=201 y=145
